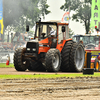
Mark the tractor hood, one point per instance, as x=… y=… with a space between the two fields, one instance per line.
x=44 y=41
x=33 y=46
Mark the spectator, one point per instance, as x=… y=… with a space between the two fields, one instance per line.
x=15 y=47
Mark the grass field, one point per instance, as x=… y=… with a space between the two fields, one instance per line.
x=3 y=65
x=47 y=76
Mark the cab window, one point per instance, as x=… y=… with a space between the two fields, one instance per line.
x=60 y=34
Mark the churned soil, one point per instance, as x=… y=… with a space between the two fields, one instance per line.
x=79 y=88
x=87 y=88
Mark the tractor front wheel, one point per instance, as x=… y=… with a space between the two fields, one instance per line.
x=36 y=66
x=19 y=62
x=53 y=60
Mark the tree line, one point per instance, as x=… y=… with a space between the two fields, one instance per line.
x=19 y=13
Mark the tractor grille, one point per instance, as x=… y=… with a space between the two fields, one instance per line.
x=32 y=47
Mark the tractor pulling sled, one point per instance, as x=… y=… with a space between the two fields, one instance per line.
x=51 y=50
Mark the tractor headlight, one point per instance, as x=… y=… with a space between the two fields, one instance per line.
x=28 y=49
x=34 y=49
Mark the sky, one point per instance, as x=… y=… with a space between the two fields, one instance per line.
x=57 y=14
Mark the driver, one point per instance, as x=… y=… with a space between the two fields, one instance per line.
x=82 y=42
x=86 y=47
x=51 y=32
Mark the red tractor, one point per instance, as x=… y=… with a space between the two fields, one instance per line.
x=51 y=50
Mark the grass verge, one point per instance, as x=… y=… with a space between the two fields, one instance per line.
x=3 y=65
x=47 y=76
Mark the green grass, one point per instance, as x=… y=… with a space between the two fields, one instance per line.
x=46 y=76
x=55 y=75
x=3 y=65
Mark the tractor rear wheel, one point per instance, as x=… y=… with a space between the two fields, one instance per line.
x=36 y=66
x=19 y=62
x=53 y=60
x=65 y=65
x=77 y=57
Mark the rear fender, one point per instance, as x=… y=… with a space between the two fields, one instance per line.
x=61 y=45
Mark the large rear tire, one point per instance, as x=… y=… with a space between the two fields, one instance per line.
x=77 y=57
x=65 y=65
x=19 y=62
x=53 y=60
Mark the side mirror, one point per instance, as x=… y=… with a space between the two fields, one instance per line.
x=63 y=28
x=27 y=28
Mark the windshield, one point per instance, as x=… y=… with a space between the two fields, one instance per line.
x=45 y=30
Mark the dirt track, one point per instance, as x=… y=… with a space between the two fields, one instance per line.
x=13 y=71
x=87 y=88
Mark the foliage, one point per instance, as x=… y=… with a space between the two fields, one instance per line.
x=44 y=7
x=21 y=12
x=82 y=10
x=70 y=33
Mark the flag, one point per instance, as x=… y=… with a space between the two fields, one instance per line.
x=65 y=18
x=1 y=16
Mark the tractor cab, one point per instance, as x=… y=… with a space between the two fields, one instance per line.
x=50 y=35
x=46 y=33
x=45 y=30
x=51 y=30
x=89 y=41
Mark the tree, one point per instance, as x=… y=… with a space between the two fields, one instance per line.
x=18 y=13
x=71 y=33
x=82 y=9
x=44 y=7
x=15 y=9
